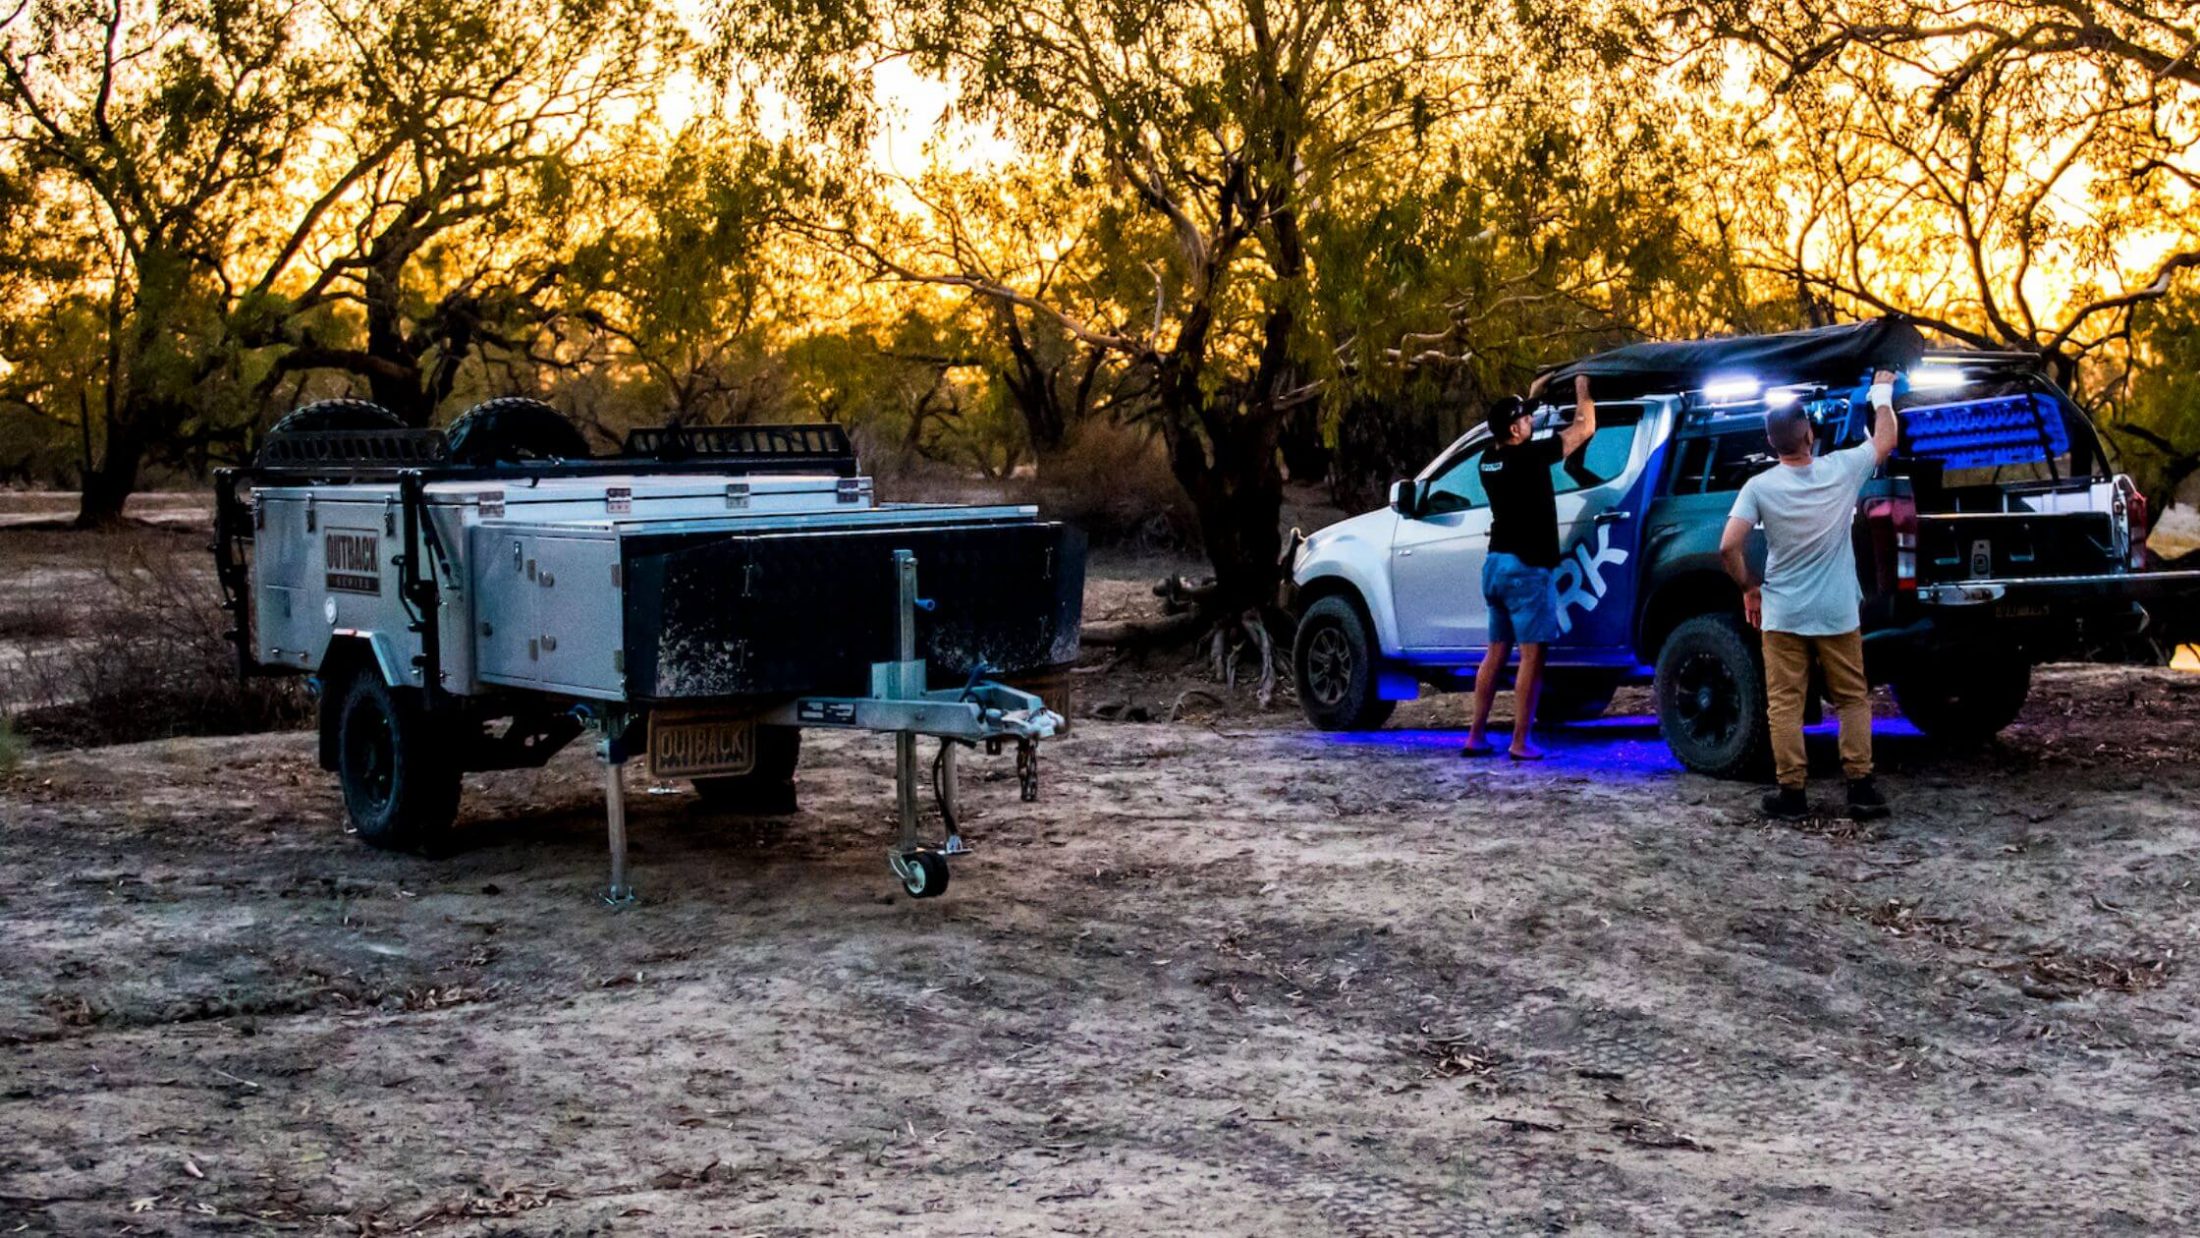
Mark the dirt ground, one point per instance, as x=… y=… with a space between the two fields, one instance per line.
x=1228 y=976
x=1236 y=978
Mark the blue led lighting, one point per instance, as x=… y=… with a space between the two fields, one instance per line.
x=2022 y=429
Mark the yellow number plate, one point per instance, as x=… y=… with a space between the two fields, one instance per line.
x=689 y=746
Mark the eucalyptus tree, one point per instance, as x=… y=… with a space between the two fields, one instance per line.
x=2015 y=173
x=509 y=125
x=1201 y=150
x=164 y=132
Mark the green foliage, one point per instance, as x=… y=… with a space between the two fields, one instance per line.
x=2157 y=428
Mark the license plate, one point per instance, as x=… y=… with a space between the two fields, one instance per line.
x=690 y=746
x=2012 y=610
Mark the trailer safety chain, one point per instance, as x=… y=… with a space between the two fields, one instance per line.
x=1027 y=769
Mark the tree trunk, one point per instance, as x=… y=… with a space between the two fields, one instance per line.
x=108 y=486
x=1238 y=498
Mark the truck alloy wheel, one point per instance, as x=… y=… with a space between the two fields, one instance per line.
x=1711 y=698
x=1333 y=664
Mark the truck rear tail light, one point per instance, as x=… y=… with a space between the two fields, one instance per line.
x=1892 y=521
x=2128 y=508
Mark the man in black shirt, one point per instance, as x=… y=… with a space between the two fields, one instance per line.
x=1516 y=573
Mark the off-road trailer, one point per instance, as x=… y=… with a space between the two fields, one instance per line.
x=475 y=600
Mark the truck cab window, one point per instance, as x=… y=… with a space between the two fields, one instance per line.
x=1604 y=456
x=1459 y=487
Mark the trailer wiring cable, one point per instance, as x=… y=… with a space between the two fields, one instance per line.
x=939 y=786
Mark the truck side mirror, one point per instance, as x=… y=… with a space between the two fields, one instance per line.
x=1401 y=498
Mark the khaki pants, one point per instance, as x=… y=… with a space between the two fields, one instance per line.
x=1787 y=682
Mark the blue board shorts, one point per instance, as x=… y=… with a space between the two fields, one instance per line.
x=1523 y=606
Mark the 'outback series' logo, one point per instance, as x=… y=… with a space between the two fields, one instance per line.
x=353 y=558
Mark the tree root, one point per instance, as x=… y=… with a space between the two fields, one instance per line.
x=1222 y=639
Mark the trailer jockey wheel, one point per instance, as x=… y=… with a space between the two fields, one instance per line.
x=923 y=873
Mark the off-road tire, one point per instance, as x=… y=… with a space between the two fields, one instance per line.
x=1573 y=697
x=397 y=765
x=323 y=415
x=1333 y=667
x=1966 y=700
x=513 y=430
x=768 y=789
x=1711 y=698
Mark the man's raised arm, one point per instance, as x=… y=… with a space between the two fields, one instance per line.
x=1584 y=425
x=1886 y=431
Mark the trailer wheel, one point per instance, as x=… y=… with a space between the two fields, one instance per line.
x=927 y=877
x=1967 y=701
x=398 y=772
x=767 y=790
x=1333 y=666
x=512 y=430
x=1711 y=698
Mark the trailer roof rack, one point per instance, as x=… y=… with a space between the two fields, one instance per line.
x=347 y=450
x=381 y=454
x=780 y=448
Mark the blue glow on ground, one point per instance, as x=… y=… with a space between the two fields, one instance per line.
x=1618 y=747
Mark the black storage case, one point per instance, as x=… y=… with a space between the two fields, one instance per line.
x=712 y=616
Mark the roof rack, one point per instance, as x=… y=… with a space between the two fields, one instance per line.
x=779 y=448
x=384 y=454
x=355 y=450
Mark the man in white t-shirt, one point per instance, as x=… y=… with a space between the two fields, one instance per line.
x=1806 y=604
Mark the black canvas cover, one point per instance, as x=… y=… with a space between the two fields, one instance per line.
x=1843 y=354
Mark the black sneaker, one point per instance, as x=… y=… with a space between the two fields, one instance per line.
x=1865 y=801
x=1787 y=804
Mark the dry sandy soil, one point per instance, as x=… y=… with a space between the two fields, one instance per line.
x=1231 y=978
x=1228 y=976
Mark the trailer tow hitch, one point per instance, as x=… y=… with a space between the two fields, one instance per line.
x=979 y=712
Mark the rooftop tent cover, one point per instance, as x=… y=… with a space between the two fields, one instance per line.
x=1837 y=355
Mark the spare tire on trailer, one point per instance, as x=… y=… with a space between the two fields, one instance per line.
x=322 y=415
x=514 y=430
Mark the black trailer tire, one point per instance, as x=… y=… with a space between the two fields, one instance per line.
x=324 y=415
x=1572 y=697
x=1711 y=698
x=768 y=789
x=1966 y=700
x=513 y=430
x=398 y=768
x=1333 y=666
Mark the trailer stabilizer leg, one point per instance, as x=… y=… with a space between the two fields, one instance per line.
x=619 y=894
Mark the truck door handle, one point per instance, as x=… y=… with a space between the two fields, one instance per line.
x=1605 y=518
